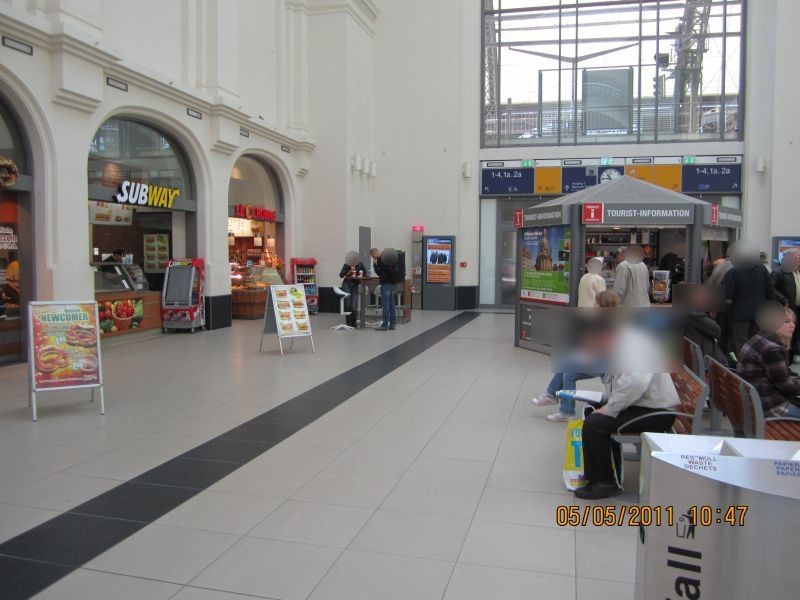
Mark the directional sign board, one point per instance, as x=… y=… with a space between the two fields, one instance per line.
x=575 y=179
x=712 y=178
x=507 y=181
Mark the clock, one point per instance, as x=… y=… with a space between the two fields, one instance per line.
x=610 y=175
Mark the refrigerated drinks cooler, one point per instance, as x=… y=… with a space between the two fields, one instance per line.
x=735 y=526
x=304 y=271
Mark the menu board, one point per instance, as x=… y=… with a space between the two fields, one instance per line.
x=65 y=350
x=439 y=268
x=110 y=213
x=291 y=310
x=545 y=264
x=156 y=252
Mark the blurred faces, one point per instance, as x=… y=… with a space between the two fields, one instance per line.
x=790 y=262
x=773 y=316
x=744 y=254
x=594 y=265
x=634 y=254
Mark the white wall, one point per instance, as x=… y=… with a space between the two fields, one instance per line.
x=427 y=124
x=785 y=155
x=149 y=33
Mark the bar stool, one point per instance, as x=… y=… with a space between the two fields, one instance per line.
x=343 y=325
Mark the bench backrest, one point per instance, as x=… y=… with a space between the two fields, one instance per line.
x=693 y=358
x=692 y=395
x=736 y=399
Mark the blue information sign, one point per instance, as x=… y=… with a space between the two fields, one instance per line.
x=575 y=179
x=712 y=178
x=506 y=182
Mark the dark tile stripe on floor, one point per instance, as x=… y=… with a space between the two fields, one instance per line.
x=36 y=559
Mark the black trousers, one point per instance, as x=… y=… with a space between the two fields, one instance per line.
x=351 y=302
x=742 y=331
x=598 y=445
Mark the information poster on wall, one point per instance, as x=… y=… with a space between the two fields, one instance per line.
x=291 y=310
x=439 y=268
x=787 y=245
x=64 y=345
x=545 y=264
x=156 y=252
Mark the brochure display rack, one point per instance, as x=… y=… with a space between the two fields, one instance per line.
x=304 y=272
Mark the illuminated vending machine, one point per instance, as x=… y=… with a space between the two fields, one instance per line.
x=718 y=518
x=182 y=301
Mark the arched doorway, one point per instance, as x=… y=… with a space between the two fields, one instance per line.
x=16 y=235
x=256 y=241
x=142 y=212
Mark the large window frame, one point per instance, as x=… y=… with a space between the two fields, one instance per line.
x=683 y=58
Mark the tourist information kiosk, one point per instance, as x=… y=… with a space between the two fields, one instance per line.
x=556 y=238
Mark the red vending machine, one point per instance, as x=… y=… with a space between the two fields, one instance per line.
x=304 y=270
x=182 y=301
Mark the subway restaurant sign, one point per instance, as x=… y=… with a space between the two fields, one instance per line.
x=141 y=194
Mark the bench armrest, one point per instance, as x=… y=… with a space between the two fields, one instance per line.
x=652 y=414
x=784 y=418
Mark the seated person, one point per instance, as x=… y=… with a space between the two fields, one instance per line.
x=764 y=362
x=352 y=265
x=566 y=380
x=631 y=393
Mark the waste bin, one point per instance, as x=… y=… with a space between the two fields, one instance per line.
x=724 y=518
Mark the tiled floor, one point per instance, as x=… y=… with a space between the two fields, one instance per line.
x=438 y=480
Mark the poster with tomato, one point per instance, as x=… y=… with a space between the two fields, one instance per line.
x=65 y=348
x=120 y=315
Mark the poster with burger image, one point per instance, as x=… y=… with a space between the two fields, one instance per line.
x=64 y=345
x=291 y=310
x=120 y=315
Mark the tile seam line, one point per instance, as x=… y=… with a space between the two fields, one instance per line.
x=407 y=349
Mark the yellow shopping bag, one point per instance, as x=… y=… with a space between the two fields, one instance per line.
x=573 y=455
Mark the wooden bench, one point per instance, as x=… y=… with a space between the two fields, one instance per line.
x=739 y=401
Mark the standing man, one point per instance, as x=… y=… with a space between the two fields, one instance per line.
x=386 y=269
x=632 y=279
x=747 y=287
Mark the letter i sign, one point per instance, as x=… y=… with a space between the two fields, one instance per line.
x=592 y=212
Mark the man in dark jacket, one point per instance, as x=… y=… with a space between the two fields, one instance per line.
x=704 y=331
x=387 y=269
x=747 y=287
x=785 y=281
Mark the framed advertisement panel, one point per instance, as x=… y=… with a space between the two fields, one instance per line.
x=288 y=315
x=439 y=260
x=64 y=348
x=545 y=264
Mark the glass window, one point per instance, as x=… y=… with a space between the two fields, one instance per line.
x=11 y=146
x=125 y=150
x=589 y=71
